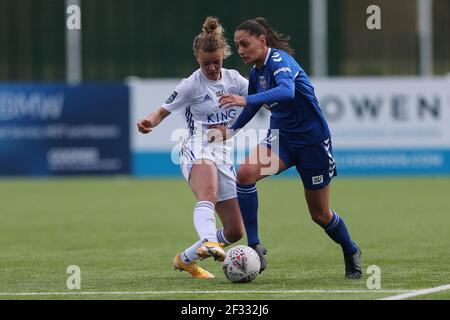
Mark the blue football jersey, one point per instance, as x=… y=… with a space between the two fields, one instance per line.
x=283 y=87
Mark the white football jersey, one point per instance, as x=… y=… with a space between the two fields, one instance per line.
x=199 y=97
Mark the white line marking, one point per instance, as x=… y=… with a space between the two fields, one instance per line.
x=418 y=293
x=193 y=292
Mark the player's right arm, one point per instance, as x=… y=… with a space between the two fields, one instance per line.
x=152 y=120
x=219 y=133
x=177 y=101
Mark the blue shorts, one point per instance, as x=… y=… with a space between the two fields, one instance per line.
x=314 y=163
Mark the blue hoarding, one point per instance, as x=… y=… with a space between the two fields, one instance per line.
x=411 y=162
x=57 y=129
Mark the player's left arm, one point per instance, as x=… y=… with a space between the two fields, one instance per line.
x=283 y=91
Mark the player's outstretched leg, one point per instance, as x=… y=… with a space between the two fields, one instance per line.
x=187 y=260
x=191 y=267
x=335 y=228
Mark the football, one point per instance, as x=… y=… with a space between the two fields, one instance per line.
x=241 y=264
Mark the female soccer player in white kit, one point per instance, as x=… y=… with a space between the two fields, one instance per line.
x=207 y=167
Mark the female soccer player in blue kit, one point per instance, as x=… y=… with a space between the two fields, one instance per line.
x=278 y=83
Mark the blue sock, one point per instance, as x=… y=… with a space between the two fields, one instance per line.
x=248 y=203
x=337 y=231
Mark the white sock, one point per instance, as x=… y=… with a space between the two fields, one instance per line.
x=190 y=254
x=205 y=221
x=221 y=237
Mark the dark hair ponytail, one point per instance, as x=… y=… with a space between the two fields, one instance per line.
x=259 y=26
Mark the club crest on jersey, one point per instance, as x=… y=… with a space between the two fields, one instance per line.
x=172 y=97
x=262 y=82
x=219 y=93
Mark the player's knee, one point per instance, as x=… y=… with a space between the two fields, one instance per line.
x=246 y=175
x=209 y=194
x=234 y=234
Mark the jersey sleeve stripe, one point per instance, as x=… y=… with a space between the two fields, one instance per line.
x=283 y=69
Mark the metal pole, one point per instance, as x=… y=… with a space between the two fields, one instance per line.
x=319 y=34
x=425 y=30
x=73 y=49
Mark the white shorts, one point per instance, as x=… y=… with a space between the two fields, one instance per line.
x=226 y=173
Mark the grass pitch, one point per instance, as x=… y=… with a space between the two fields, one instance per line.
x=123 y=234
